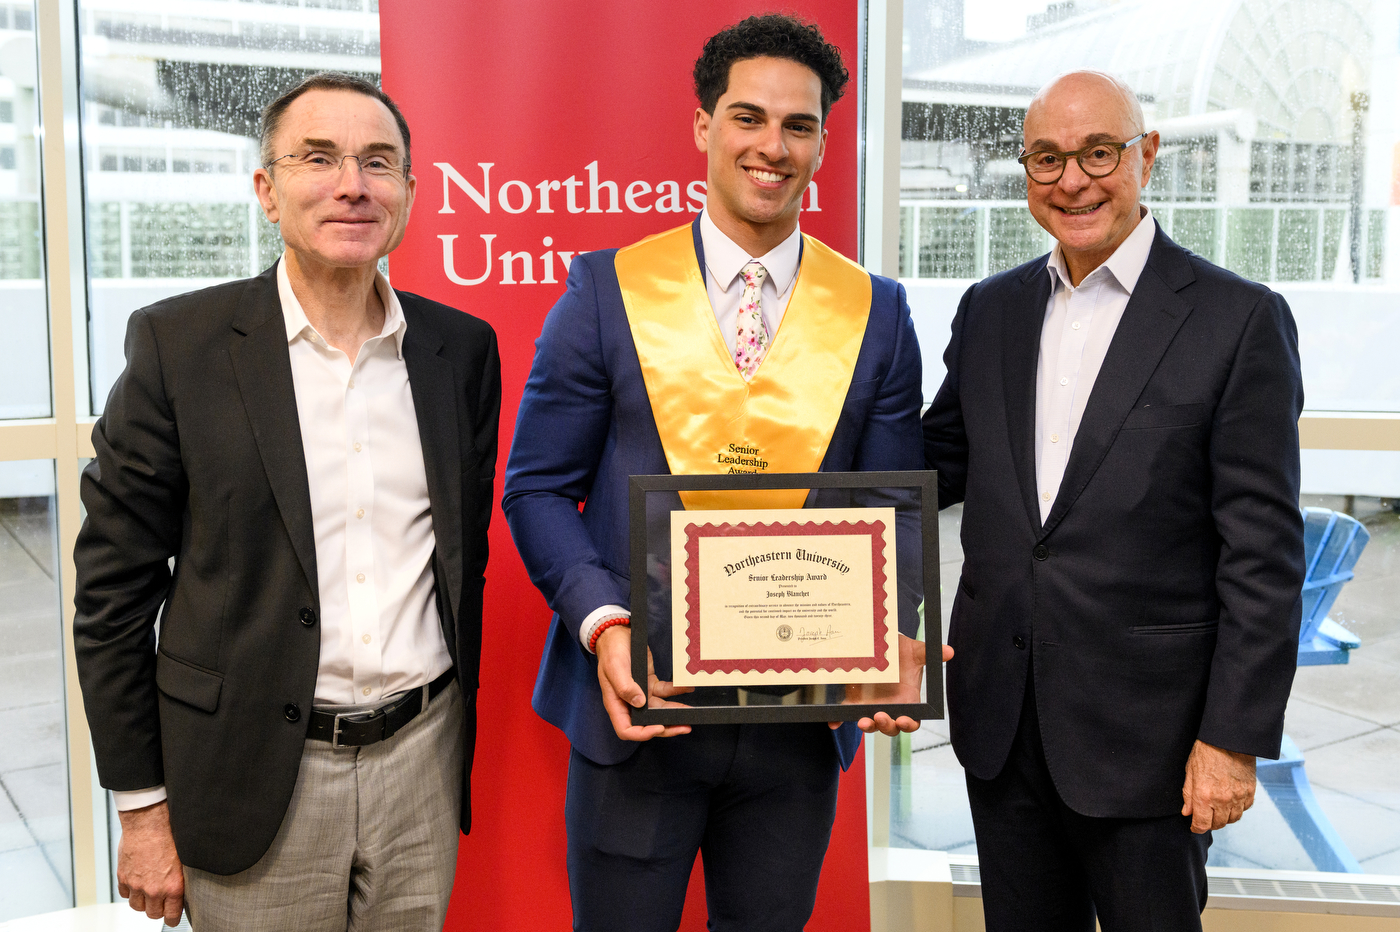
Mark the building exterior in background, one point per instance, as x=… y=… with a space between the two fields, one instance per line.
x=169 y=126
x=1274 y=161
x=1280 y=122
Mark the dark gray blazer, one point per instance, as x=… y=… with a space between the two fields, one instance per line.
x=199 y=457
x=1159 y=601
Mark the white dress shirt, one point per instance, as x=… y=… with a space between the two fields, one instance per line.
x=1079 y=325
x=724 y=260
x=379 y=625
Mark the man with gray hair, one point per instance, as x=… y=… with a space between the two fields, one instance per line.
x=316 y=452
x=1120 y=418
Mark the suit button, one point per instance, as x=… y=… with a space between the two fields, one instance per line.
x=1041 y=552
x=291 y=711
x=1019 y=642
x=307 y=616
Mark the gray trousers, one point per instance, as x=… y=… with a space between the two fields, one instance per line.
x=369 y=841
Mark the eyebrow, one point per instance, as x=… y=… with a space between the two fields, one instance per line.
x=755 y=108
x=329 y=144
x=1089 y=140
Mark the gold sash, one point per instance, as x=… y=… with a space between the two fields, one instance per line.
x=711 y=420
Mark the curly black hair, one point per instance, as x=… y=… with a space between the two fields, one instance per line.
x=773 y=35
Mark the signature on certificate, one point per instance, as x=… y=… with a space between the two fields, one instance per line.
x=818 y=634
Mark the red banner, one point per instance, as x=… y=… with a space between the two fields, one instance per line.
x=542 y=129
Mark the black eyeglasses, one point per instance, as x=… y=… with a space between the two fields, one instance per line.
x=324 y=163
x=1045 y=166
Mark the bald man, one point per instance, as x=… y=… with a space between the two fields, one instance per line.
x=1120 y=419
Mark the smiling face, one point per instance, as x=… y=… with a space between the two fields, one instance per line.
x=1090 y=217
x=343 y=218
x=763 y=144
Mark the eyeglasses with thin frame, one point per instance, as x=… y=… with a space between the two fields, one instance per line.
x=1045 y=166
x=319 y=162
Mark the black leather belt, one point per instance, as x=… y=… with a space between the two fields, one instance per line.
x=358 y=729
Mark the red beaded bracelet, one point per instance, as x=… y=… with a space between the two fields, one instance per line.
x=603 y=626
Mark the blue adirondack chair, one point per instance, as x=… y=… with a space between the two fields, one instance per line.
x=1332 y=542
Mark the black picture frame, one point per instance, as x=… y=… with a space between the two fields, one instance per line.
x=924 y=481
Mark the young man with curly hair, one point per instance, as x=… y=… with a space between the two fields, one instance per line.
x=735 y=329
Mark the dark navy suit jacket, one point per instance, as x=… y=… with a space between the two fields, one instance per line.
x=585 y=425
x=1159 y=601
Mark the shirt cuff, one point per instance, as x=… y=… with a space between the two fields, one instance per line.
x=595 y=618
x=127 y=800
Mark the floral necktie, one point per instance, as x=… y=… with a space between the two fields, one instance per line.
x=751 y=341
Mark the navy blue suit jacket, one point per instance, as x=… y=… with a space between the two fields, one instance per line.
x=1158 y=603
x=585 y=425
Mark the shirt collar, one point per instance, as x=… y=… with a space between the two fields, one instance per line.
x=297 y=323
x=1126 y=263
x=725 y=259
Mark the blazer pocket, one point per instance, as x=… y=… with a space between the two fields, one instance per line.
x=865 y=388
x=187 y=683
x=1158 y=416
x=966 y=590
x=1194 y=627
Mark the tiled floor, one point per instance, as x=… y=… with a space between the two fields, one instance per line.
x=1344 y=718
x=35 y=854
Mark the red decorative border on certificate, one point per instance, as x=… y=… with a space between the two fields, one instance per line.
x=874 y=529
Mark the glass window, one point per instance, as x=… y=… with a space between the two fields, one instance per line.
x=36 y=856
x=1277 y=162
x=24 y=364
x=171 y=98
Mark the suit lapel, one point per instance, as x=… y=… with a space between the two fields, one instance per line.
x=1154 y=314
x=1023 y=321
x=433 y=384
x=263 y=368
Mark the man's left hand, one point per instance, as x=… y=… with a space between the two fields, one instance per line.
x=1219 y=787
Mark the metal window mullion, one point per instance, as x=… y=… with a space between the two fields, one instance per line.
x=56 y=35
x=28 y=439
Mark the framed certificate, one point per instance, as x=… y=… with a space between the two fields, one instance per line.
x=773 y=613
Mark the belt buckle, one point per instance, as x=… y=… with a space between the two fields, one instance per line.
x=335 y=727
x=335 y=731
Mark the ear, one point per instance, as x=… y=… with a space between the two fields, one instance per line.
x=1150 y=144
x=266 y=193
x=821 y=151
x=702 y=129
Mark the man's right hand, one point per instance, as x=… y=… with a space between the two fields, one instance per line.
x=621 y=693
x=149 y=873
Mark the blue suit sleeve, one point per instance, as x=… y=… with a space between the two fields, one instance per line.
x=560 y=433
x=891 y=439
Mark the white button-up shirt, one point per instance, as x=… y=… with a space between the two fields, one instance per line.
x=724 y=260
x=380 y=631
x=1079 y=326
x=379 y=624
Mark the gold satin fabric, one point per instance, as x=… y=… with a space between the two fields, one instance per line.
x=710 y=419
